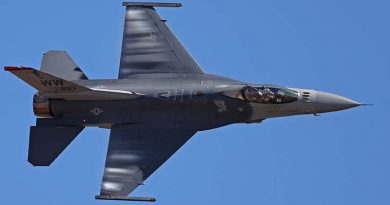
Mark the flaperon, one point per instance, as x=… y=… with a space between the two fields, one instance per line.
x=159 y=101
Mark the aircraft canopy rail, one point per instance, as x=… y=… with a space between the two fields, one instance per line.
x=269 y=94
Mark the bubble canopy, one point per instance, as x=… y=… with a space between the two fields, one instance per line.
x=269 y=94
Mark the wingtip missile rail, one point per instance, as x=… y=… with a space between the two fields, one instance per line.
x=127 y=198
x=151 y=4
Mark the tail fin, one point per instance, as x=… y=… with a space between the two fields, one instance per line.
x=48 y=142
x=59 y=63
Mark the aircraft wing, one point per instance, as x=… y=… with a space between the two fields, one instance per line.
x=149 y=46
x=134 y=153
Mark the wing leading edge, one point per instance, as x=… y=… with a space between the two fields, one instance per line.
x=149 y=46
x=134 y=154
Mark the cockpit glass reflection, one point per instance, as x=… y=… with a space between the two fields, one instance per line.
x=269 y=95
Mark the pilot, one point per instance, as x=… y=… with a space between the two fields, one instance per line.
x=269 y=96
x=252 y=94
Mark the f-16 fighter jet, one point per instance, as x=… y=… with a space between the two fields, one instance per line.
x=159 y=101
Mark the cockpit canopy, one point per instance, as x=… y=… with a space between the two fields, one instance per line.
x=269 y=94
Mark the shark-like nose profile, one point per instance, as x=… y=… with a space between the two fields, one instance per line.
x=327 y=102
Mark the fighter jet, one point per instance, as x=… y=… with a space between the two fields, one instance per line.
x=159 y=101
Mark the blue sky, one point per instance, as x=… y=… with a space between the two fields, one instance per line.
x=336 y=46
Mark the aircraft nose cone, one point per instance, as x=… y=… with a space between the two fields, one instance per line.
x=327 y=102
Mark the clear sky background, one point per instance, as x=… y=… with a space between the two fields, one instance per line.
x=338 y=46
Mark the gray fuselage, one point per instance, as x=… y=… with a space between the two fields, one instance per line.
x=199 y=101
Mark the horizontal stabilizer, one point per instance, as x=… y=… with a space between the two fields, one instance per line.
x=47 y=143
x=55 y=87
x=44 y=82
